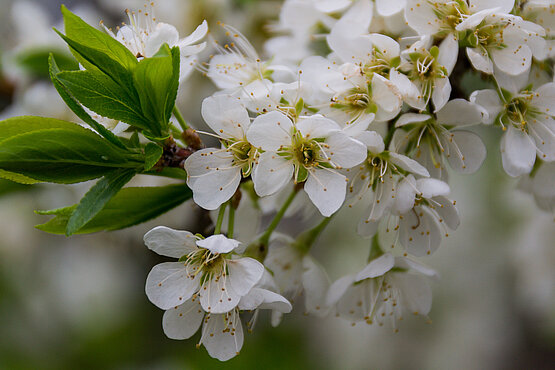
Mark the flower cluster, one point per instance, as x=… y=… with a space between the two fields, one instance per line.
x=370 y=125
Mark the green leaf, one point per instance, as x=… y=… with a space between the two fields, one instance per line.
x=98 y=49
x=129 y=207
x=102 y=95
x=96 y=198
x=64 y=155
x=35 y=61
x=15 y=177
x=153 y=153
x=25 y=124
x=76 y=107
x=156 y=80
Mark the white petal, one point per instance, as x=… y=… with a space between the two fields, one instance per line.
x=416 y=293
x=465 y=151
x=489 y=100
x=432 y=187
x=367 y=228
x=404 y=196
x=372 y=140
x=212 y=176
x=182 y=322
x=357 y=301
x=448 y=52
x=459 y=112
x=386 y=96
x=264 y=299
x=441 y=93
x=218 y=244
x=376 y=267
x=316 y=285
x=344 y=151
x=544 y=99
x=197 y=35
x=163 y=34
x=226 y=116
x=326 y=189
x=543 y=183
x=387 y=46
x=419 y=232
x=270 y=131
x=505 y=6
x=169 y=242
x=480 y=60
x=387 y=8
x=222 y=336
x=271 y=173
x=518 y=152
x=244 y=273
x=514 y=59
x=448 y=212
x=407 y=263
x=408 y=89
x=338 y=289
x=421 y=17
x=408 y=164
x=408 y=118
x=316 y=126
x=168 y=284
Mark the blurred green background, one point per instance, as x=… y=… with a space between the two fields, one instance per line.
x=79 y=302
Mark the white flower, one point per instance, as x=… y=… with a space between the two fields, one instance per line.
x=380 y=173
x=311 y=151
x=427 y=68
x=222 y=334
x=529 y=123
x=205 y=269
x=215 y=174
x=540 y=185
x=432 y=139
x=424 y=215
x=144 y=37
x=297 y=274
x=385 y=289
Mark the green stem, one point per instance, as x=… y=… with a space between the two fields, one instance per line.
x=180 y=118
x=264 y=239
x=218 y=228
x=390 y=131
x=305 y=241
x=231 y=221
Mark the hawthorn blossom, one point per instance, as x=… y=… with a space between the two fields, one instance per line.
x=222 y=333
x=310 y=151
x=385 y=289
x=144 y=36
x=214 y=174
x=204 y=269
x=297 y=274
x=430 y=139
x=527 y=119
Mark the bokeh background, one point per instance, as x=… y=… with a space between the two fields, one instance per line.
x=79 y=302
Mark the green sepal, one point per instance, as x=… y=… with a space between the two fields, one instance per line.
x=129 y=207
x=302 y=174
x=35 y=62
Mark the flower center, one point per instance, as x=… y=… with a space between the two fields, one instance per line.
x=244 y=154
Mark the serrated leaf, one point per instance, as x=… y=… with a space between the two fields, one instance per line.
x=63 y=155
x=156 y=80
x=102 y=95
x=76 y=107
x=15 y=177
x=129 y=207
x=153 y=153
x=98 y=49
x=97 y=197
x=26 y=124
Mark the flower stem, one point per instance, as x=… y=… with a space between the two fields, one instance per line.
x=218 y=228
x=179 y=118
x=231 y=221
x=305 y=241
x=264 y=239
